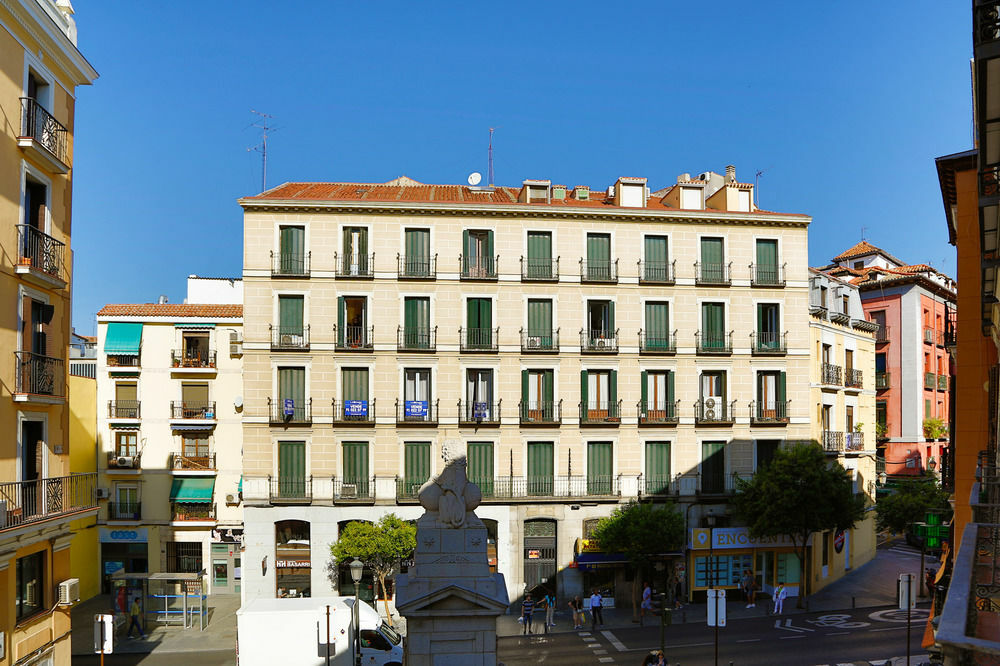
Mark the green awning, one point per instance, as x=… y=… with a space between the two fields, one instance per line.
x=240 y=489
x=123 y=338
x=192 y=489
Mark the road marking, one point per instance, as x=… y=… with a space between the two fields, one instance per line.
x=748 y=640
x=837 y=633
x=786 y=638
x=614 y=641
x=671 y=645
x=583 y=633
x=590 y=639
x=788 y=626
x=606 y=660
x=600 y=651
x=897 y=615
x=887 y=629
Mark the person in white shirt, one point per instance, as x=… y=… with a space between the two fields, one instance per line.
x=780 y=594
x=596 y=614
x=647 y=601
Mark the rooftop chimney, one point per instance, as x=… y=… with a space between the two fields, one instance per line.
x=730 y=173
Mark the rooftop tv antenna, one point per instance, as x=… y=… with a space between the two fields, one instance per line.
x=756 y=186
x=263 y=124
x=489 y=173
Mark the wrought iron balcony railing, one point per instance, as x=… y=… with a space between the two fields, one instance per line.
x=539 y=341
x=599 y=341
x=882 y=335
x=930 y=380
x=600 y=412
x=768 y=343
x=125 y=457
x=830 y=374
x=767 y=275
x=355 y=338
x=854 y=441
x=942 y=382
x=124 y=409
x=407 y=489
x=540 y=412
x=883 y=380
x=416 y=339
x=833 y=440
x=192 y=512
x=658 y=412
x=553 y=487
x=44 y=129
x=714 y=484
x=539 y=270
x=950 y=327
x=854 y=378
x=354 y=412
x=192 y=358
x=479 y=413
x=290 y=264
x=712 y=273
x=130 y=511
x=122 y=360
x=479 y=339
x=658 y=342
x=599 y=270
x=416 y=267
x=201 y=461
x=289 y=412
x=478 y=268
x=35 y=374
x=290 y=338
x=40 y=252
x=361 y=266
x=192 y=409
x=657 y=484
x=714 y=411
x=24 y=502
x=417 y=412
x=714 y=342
x=769 y=412
x=657 y=272
x=291 y=489
x=354 y=490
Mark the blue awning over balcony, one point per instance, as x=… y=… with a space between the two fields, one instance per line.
x=123 y=338
x=192 y=489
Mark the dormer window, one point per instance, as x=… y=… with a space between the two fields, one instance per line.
x=581 y=193
x=691 y=198
x=535 y=191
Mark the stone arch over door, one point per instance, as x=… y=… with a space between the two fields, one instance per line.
x=539 y=556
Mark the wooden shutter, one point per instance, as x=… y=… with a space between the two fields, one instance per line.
x=584 y=403
x=356 y=463
x=292 y=384
x=540 y=468
x=711 y=251
x=644 y=389
x=767 y=255
x=657 y=467
x=417 y=462
x=599 y=468
x=540 y=320
x=292 y=461
x=355 y=384
x=480 y=461
x=466 y=247
x=290 y=314
x=613 y=394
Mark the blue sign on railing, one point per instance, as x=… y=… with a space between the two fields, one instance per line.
x=480 y=410
x=356 y=408
x=416 y=408
x=289 y=407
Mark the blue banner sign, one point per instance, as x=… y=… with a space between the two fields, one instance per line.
x=480 y=410
x=111 y=567
x=289 y=407
x=355 y=408
x=416 y=408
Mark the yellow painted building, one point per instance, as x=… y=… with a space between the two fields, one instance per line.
x=84 y=564
x=39 y=497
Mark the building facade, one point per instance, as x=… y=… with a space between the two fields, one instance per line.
x=169 y=404
x=579 y=347
x=39 y=497
x=84 y=548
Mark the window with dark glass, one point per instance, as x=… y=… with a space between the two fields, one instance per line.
x=29 y=597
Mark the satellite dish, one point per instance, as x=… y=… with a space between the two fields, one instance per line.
x=475 y=177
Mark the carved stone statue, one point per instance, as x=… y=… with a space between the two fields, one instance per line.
x=450 y=496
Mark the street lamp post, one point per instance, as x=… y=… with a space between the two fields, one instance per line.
x=710 y=520
x=357 y=568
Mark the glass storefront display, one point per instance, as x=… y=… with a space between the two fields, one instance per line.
x=292 y=559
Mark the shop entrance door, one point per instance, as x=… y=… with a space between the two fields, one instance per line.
x=540 y=557
x=765 y=571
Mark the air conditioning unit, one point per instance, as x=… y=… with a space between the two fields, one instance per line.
x=69 y=591
x=349 y=490
x=235 y=348
x=709 y=414
x=231 y=499
x=125 y=461
x=534 y=342
x=601 y=343
x=710 y=403
x=102 y=493
x=287 y=340
x=31 y=593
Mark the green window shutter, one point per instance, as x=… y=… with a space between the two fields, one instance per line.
x=292 y=384
x=613 y=394
x=599 y=248
x=472 y=313
x=583 y=391
x=290 y=314
x=524 y=388
x=782 y=407
x=485 y=313
x=540 y=468
x=291 y=469
x=644 y=388
x=767 y=254
x=657 y=325
x=760 y=319
x=363 y=249
x=548 y=387
x=711 y=251
x=611 y=317
x=355 y=384
x=490 y=258
x=341 y=320
x=480 y=465
x=599 y=468
x=416 y=463
x=292 y=241
x=539 y=246
x=656 y=250
x=713 y=466
x=356 y=464
x=540 y=320
x=670 y=393
x=657 y=467
x=465 y=250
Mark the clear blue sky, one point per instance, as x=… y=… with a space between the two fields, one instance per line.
x=844 y=106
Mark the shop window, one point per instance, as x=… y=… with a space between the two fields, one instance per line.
x=788 y=569
x=292 y=559
x=721 y=570
x=30 y=594
x=183 y=557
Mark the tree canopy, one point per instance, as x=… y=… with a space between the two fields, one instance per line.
x=379 y=545
x=800 y=492
x=910 y=502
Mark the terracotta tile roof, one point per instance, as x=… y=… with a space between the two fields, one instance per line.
x=861 y=249
x=177 y=310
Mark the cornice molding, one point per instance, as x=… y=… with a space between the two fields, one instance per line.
x=55 y=43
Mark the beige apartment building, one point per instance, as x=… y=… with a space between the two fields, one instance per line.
x=40 y=69
x=169 y=403
x=580 y=347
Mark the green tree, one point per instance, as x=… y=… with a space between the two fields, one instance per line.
x=910 y=502
x=379 y=545
x=640 y=531
x=800 y=492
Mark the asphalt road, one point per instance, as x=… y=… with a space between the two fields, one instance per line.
x=840 y=637
x=210 y=658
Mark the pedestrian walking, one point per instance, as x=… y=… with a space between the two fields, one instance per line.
x=135 y=613
x=647 y=601
x=577 y=605
x=596 y=612
x=752 y=592
x=780 y=594
x=550 y=609
x=527 y=608
x=745 y=585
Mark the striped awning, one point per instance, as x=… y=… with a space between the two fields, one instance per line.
x=192 y=489
x=123 y=338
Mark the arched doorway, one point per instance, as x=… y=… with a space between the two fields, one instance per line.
x=540 y=556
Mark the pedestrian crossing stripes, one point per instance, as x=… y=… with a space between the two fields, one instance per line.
x=903 y=549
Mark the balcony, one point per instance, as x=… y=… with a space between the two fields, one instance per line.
x=539 y=270
x=290 y=490
x=942 y=382
x=417 y=413
x=353 y=490
x=769 y=413
x=192 y=410
x=882 y=335
x=124 y=512
x=479 y=339
x=951 y=329
x=355 y=338
x=661 y=413
x=714 y=411
x=713 y=274
x=124 y=461
x=40 y=258
x=931 y=336
x=190 y=512
x=713 y=484
x=26 y=502
x=540 y=412
x=478 y=268
x=124 y=410
x=768 y=343
x=38 y=378
x=290 y=264
x=504 y=489
x=854 y=441
x=767 y=275
x=193 y=359
x=833 y=440
x=122 y=360
x=288 y=413
x=714 y=343
x=657 y=343
x=479 y=413
x=657 y=272
x=830 y=374
x=603 y=271
x=930 y=380
x=354 y=412
x=195 y=462
x=883 y=380
x=416 y=268
x=416 y=339
x=408 y=489
x=531 y=344
x=289 y=338
x=360 y=268
x=657 y=484
x=43 y=137
x=853 y=378
x=601 y=413
x=598 y=341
